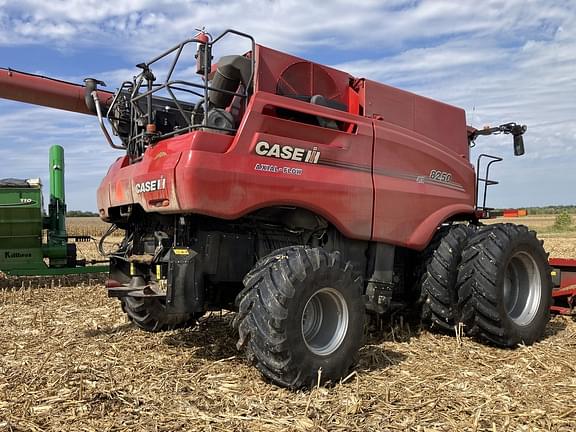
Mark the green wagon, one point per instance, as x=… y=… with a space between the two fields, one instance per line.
x=30 y=242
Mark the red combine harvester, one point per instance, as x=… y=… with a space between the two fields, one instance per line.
x=304 y=199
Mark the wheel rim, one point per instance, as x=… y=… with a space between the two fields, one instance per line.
x=522 y=288
x=325 y=321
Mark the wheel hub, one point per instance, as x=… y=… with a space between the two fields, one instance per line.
x=324 y=321
x=522 y=288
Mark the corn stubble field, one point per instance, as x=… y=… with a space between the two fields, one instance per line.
x=69 y=360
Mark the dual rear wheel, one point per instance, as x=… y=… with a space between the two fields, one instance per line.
x=505 y=286
x=495 y=280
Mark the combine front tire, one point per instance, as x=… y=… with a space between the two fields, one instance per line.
x=150 y=315
x=301 y=316
x=505 y=287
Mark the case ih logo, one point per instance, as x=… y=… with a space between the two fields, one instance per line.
x=286 y=152
x=151 y=185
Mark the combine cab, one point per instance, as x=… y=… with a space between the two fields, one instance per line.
x=305 y=199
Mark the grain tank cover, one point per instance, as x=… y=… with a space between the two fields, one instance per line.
x=442 y=123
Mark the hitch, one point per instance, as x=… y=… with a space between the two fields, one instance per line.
x=512 y=128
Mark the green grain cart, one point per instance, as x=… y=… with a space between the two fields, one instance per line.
x=30 y=242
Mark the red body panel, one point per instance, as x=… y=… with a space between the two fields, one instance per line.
x=563 y=262
x=414 y=137
x=442 y=124
x=392 y=175
x=227 y=185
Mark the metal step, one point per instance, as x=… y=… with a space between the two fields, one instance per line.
x=127 y=291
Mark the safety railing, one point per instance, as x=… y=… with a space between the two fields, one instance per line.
x=486 y=179
x=136 y=99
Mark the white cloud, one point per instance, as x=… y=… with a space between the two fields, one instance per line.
x=294 y=24
x=501 y=60
x=28 y=132
x=497 y=82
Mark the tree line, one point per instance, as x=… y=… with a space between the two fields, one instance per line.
x=552 y=209
x=80 y=213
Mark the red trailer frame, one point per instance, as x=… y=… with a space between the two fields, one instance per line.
x=564 y=279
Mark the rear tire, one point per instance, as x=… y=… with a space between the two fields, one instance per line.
x=438 y=290
x=150 y=315
x=505 y=287
x=301 y=312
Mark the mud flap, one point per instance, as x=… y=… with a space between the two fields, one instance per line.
x=185 y=291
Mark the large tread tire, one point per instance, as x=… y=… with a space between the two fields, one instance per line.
x=150 y=315
x=270 y=317
x=438 y=290
x=505 y=286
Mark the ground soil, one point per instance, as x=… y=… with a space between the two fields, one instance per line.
x=69 y=360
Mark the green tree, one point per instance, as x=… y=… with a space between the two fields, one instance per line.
x=563 y=221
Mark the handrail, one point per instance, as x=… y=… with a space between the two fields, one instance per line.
x=487 y=182
x=141 y=103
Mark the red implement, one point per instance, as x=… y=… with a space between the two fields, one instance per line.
x=564 y=279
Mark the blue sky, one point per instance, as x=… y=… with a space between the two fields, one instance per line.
x=512 y=60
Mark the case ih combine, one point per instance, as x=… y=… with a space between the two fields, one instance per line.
x=304 y=199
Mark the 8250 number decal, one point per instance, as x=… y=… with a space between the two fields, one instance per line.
x=442 y=176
